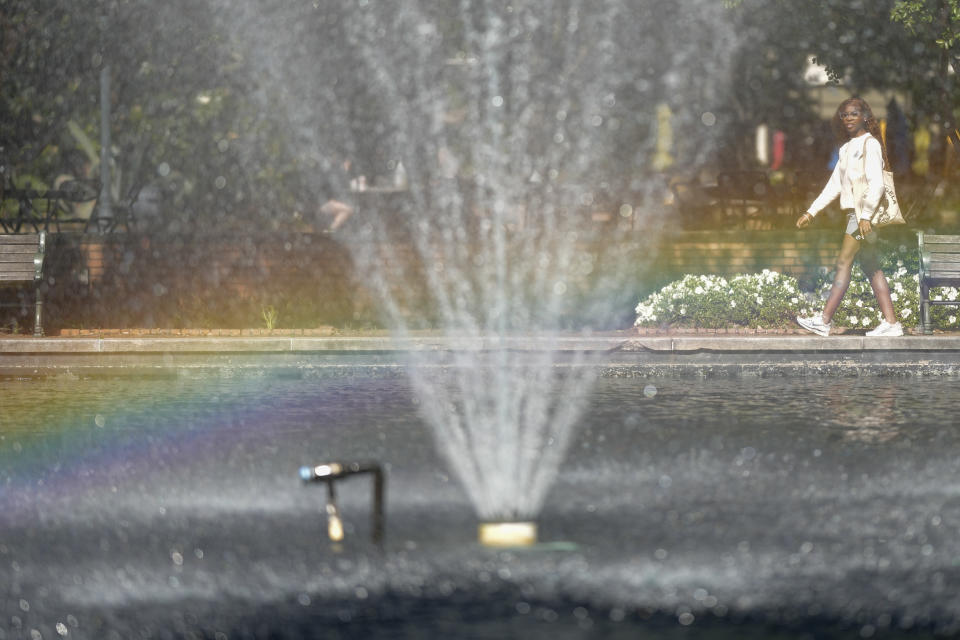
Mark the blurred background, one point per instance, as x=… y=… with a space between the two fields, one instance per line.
x=188 y=158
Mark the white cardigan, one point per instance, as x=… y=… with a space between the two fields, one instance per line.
x=849 y=177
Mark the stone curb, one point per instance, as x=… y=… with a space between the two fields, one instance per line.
x=622 y=343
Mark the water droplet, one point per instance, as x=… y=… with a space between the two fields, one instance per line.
x=650 y=390
x=497 y=101
x=708 y=118
x=99 y=420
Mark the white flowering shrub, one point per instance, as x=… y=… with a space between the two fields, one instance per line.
x=859 y=307
x=773 y=300
x=901 y=264
x=946 y=316
x=767 y=299
x=693 y=301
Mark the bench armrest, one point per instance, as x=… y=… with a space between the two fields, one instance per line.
x=39 y=256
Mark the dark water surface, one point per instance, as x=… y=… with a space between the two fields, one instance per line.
x=170 y=506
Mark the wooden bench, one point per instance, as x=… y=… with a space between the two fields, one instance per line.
x=939 y=267
x=21 y=261
x=771 y=200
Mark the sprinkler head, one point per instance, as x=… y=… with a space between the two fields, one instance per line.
x=507 y=534
x=332 y=470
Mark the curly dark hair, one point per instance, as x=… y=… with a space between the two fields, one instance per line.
x=873 y=127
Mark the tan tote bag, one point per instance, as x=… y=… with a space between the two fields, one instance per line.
x=888 y=210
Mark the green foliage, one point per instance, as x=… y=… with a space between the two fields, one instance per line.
x=182 y=119
x=859 y=309
x=867 y=44
x=768 y=299
x=269 y=314
x=939 y=19
x=943 y=316
x=771 y=300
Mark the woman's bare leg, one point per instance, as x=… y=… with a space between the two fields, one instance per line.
x=841 y=281
x=870 y=262
x=881 y=289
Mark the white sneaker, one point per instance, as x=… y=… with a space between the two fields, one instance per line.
x=815 y=324
x=885 y=329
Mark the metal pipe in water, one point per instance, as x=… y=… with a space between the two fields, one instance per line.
x=333 y=471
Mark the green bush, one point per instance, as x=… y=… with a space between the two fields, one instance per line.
x=773 y=300
x=859 y=310
x=768 y=299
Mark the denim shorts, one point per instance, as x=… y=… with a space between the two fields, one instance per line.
x=853 y=224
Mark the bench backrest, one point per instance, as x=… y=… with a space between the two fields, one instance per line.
x=21 y=257
x=939 y=256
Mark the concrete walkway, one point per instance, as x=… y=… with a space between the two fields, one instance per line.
x=937 y=353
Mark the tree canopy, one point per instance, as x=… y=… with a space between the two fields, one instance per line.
x=190 y=118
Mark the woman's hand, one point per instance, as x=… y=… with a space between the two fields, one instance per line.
x=805 y=220
x=865 y=227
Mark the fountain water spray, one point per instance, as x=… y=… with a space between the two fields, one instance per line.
x=512 y=122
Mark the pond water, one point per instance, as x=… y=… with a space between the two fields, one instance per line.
x=687 y=507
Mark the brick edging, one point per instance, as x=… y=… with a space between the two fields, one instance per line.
x=282 y=333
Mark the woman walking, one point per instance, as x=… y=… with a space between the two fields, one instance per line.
x=858 y=180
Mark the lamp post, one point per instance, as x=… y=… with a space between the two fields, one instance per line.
x=104 y=204
x=103 y=216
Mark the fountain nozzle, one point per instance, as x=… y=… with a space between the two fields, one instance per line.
x=507 y=534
